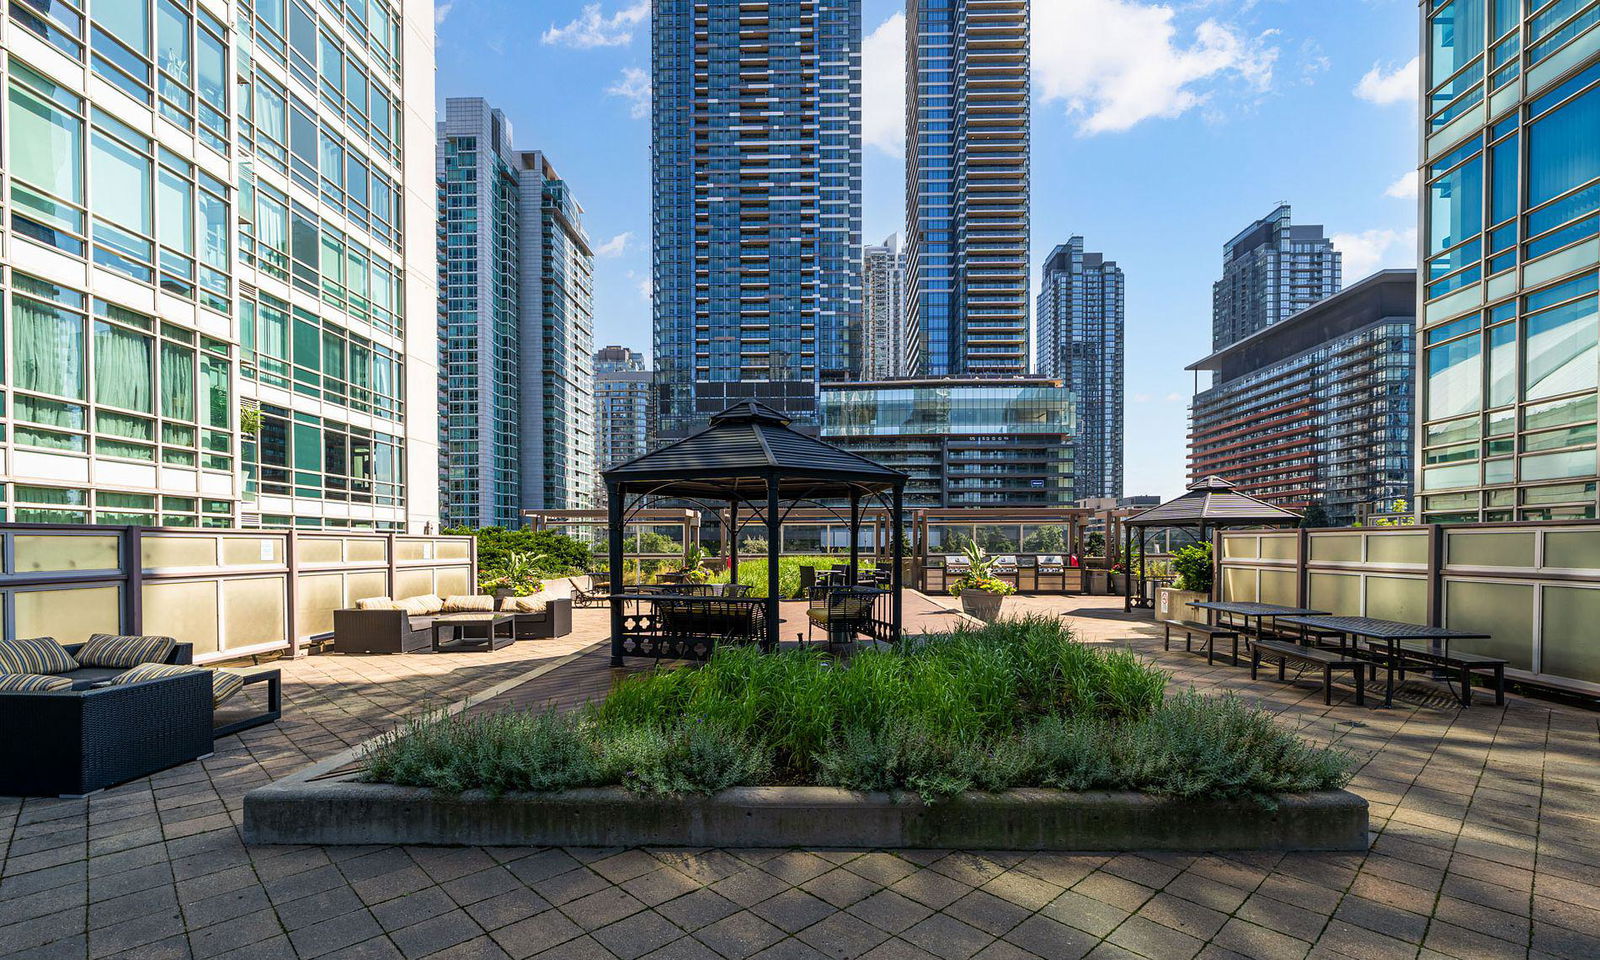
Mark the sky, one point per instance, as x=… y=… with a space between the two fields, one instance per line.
x=1160 y=130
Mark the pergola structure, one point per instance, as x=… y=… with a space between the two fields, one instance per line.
x=562 y=521
x=750 y=458
x=1211 y=504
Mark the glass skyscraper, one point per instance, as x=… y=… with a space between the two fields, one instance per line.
x=1080 y=318
x=1271 y=270
x=888 y=343
x=516 y=327
x=967 y=184
x=756 y=203
x=214 y=309
x=1510 y=339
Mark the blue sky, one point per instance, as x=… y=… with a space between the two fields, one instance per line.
x=1159 y=131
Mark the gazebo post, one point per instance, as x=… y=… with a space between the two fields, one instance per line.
x=774 y=543
x=898 y=533
x=855 y=536
x=614 y=496
x=733 y=540
x=1127 y=571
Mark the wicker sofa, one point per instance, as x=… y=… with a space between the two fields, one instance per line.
x=406 y=626
x=81 y=738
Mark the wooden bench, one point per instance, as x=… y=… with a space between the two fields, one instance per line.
x=1210 y=632
x=1328 y=660
x=1463 y=665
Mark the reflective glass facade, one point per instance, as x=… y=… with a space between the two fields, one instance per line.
x=888 y=343
x=516 y=327
x=967 y=184
x=1510 y=207
x=203 y=268
x=756 y=202
x=622 y=408
x=999 y=442
x=1080 y=317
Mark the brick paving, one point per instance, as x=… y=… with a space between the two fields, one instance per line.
x=1486 y=843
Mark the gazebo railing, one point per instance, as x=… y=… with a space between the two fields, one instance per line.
x=677 y=627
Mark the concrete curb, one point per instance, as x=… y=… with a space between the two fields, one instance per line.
x=347 y=812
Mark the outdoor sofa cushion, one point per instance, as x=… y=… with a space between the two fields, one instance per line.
x=469 y=604
x=36 y=655
x=377 y=603
x=105 y=650
x=224 y=683
x=524 y=605
x=32 y=683
x=424 y=606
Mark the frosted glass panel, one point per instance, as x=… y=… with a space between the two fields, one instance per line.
x=1576 y=549
x=1502 y=610
x=1489 y=549
x=1397 y=548
x=253 y=610
x=1336 y=547
x=68 y=615
x=1338 y=593
x=251 y=551
x=1239 y=585
x=413 y=549
x=454 y=549
x=1279 y=586
x=1570 y=647
x=43 y=552
x=359 y=586
x=413 y=583
x=159 y=552
x=317 y=596
x=366 y=550
x=1396 y=598
x=187 y=611
x=1280 y=548
x=1236 y=546
x=454 y=581
x=320 y=550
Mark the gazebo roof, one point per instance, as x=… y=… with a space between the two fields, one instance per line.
x=744 y=446
x=1213 y=502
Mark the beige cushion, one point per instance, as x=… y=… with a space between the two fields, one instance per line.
x=377 y=603
x=35 y=655
x=478 y=603
x=224 y=683
x=524 y=604
x=105 y=650
x=423 y=606
x=32 y=683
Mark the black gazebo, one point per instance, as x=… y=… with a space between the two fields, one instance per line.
x=1210 y=504
x=749 y=456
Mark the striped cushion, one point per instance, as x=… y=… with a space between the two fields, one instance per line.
x=478 y=603
x=376 y=603
x=38 y=655
x=32 y=683
x=524 y=605
x=105 y=650
x=224 y=684
x=425 y=605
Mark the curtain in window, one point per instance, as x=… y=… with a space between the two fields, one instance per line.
x=1563 y=153
x=46 y=146
x=123 y=367
x=177 y=382
x=214 y=231
x=272 y=223
x=270 y=116
x=219 y=412
x=48 y=344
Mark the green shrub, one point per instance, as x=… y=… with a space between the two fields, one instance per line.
x=1192 y=564
x=557 y=553
x=1017 y=702
x=753 y=571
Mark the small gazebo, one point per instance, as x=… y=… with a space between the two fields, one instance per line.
x=1210 y=504
x=750 y=458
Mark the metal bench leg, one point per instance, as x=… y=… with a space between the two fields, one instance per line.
x=1236 y=649
x=1361 y=686
x=1283 y=664
x=1166 y=642
x=1499 y=686
x=1255 y=663
x=1211 y=649
x=1327 y=685
x=1466 y=687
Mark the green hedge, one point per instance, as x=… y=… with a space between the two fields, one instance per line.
x=753 y=572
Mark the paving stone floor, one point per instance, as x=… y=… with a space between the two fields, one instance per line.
x=1486 y=844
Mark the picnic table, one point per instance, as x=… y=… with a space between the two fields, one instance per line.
x=1393 y=635
x=1260 y=611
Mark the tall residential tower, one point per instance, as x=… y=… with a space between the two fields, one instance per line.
x=515 y=327
x=1271 y=270
x=756 y=203
x=1080 y=316
x=967 y=184
x=218 y=277
x=622 y=406
x=888 y=344
x=1509 y=339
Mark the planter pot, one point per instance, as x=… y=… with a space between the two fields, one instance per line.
x=1173 y=604
x=981 y=604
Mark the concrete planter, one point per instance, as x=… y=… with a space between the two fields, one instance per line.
x=982 y=604
x=343 y=812
x=1173 y=604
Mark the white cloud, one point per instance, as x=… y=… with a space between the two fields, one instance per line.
x=591 y=29
x=615 y=246
x=441 y=12
x=1404 y=188
x=1389 y=86
x=640 y=284
x=883 y=87
x=634 y=86
x=1373 y=250
x=1116 y=63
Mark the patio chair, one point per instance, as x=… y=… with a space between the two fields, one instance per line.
x=736 y=591
x=597 y=594
x=840 y=611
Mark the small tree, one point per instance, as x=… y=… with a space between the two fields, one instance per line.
x=1094 y=544
x=1045 y=540
x=1192 y=564
x=1316 y=515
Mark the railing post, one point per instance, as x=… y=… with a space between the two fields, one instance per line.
x=291 y=558
x=614 y=535
x=1435 y=575
x=1302 y=578
x=394 y=566
x=133 y=570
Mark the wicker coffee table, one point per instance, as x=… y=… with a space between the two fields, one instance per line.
x=474 y=631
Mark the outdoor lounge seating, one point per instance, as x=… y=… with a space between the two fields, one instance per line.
x=385 y=625
x=841 y=612
x=1326 y=660
x=595 y=595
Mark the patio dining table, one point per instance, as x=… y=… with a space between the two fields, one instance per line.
x=1262 y=612
x=1391 y=633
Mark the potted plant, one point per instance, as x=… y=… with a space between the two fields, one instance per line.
x=694 y=569
x=1192 y=565
x=518 y=577
x=981 y=592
